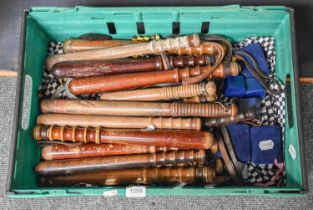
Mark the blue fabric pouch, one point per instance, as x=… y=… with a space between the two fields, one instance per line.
x=240 y=137
x=234 y=86
x=257 y=52
x=266 y=144
x=254 y=88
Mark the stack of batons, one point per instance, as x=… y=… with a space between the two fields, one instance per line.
x=154 y=123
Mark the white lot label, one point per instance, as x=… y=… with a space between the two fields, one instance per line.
x=110 y=193
x=266 y=144
x=136 y=192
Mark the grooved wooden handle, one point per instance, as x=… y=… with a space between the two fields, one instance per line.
x=200 y=99
x=71 y=166
x=248 y=115
x=109 y=83
x=185 y=61
x=165 y=93
x=206 y=48
x=163 y=138
x=119 y=122
x=124 y=108
x=60 y=152
x=77 y=69
x=76 y=45
x=185 y=175
x=152 y=47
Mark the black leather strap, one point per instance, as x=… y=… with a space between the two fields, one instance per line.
x=233 y=166
x=256 y=71
x=46 y=143
x=223 y=39
x=228 y=163
x=228 y=143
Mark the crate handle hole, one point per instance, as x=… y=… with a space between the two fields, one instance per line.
x=140 y=27
x=205 y=27
x=175 y=27
x=111 y=27
x=289 y=100
x=28 y=82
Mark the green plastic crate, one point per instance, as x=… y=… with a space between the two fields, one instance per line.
x=43 y=24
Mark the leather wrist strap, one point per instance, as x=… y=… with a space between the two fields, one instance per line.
x=228 y=143
x=271 y=85
x=227 y=158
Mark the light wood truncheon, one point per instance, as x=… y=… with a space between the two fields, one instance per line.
x=152 y=47
x=130 y=108
x=77 y=45
x=119 y=122
x=182 y=139
x=60 y=151
x=165 y=93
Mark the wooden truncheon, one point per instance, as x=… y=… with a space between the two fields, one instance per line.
x=60 y=152
x=72 y=166
x=125 y=108
x=182 y=139
x=77 y=45
x=119 y=122
x=152 y=47
x=164 y=93
x=168 y=175
x=88 y=68
x=109 y=83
